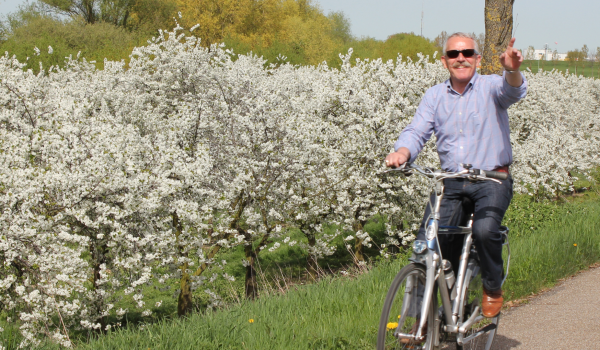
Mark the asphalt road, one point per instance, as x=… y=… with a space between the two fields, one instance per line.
x=566 y=317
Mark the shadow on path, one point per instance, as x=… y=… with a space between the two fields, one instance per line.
x=502 y=343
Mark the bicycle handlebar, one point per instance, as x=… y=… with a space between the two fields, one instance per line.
x=469 y=173
x=493 y=174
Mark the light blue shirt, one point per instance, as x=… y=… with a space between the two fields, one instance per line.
x=471 y=128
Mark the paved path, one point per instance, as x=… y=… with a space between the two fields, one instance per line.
x=566 y=317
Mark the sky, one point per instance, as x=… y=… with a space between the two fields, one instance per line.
x=571 y=24
x=563 y=25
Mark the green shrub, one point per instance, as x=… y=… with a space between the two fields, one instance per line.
x=404 y=44
x=94 y=41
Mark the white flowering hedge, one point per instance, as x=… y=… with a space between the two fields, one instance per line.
x=111 y=180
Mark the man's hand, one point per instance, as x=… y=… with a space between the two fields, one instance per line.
x=512 y=58
x=395 y=159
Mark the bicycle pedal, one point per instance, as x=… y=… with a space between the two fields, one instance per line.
x=489 y=327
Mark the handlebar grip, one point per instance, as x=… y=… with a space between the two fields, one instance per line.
x=496 y=174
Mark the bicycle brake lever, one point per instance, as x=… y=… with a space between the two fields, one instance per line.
x=405 y=172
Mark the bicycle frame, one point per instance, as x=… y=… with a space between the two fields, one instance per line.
x=432 y=258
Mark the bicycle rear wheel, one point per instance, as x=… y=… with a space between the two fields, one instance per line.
x=402 y=311
x=483 y=333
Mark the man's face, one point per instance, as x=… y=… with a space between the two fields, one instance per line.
x=461 y=69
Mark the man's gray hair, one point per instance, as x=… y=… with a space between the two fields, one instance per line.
x=462 y=35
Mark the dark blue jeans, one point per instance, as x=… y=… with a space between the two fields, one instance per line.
x=489 y=201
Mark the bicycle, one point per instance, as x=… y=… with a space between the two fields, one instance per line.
x=414 y=291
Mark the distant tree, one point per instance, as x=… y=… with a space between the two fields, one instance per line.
x=31 y=27
x=530 y=54
x=21 y=17
x=91 y=11
x=480 y=38
x=481 y=42
x=441 y=39
x=340 y=27
x=148 y=16
x=597 y=56
x=297 y=29
x=498 y=31
x=574 y=56
x=585 y=52
x=405 y=44
x=555 y=56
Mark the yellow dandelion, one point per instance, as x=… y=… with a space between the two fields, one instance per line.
x=574 y=244
x=392 y=325
x=251 y=320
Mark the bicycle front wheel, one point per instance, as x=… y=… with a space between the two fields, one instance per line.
x=481 y=335
x=402 y=312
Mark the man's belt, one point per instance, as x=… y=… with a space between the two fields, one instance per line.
x=502 y=169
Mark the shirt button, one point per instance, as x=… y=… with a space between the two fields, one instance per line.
x=461 y=131
x=460 y=147
x=459 y=113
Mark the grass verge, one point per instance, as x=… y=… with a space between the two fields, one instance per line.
x=569 y=243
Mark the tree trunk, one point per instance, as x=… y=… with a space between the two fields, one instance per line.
x=184 y=301
x=251 y=283
x=498 y=32
x=358 y=246
x=313 y=266
x=98 y=252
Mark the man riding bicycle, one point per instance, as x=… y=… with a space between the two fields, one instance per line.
x=468 y=114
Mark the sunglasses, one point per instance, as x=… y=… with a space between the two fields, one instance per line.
x=466 y=53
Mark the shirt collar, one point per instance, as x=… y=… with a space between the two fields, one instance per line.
x=470 y=85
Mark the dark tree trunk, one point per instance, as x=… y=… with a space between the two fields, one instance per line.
x=184 y=301
x=98 y=252
x=313 y=266
x=498 y=32
x=251 y=283
x=359 y=255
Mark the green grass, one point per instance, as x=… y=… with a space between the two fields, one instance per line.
x=333 y=313
x=587 y=69
x=568 y=244
x=343 y=312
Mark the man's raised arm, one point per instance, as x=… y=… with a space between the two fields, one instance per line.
x=511 y=60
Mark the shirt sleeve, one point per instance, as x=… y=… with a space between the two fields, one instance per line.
x=418 y=132
x=507 y=94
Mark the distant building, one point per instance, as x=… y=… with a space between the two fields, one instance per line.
x=539 y=55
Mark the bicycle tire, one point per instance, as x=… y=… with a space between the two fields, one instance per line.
x=471 y=295
x=398 y=303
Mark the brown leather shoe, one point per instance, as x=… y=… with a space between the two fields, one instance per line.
x=491 y=303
